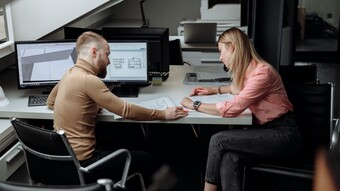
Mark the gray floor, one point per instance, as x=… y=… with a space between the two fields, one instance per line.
x=330 y=44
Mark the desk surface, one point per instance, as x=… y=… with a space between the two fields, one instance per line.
x=173 y=87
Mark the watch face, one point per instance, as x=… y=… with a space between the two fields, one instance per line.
x=197 y=104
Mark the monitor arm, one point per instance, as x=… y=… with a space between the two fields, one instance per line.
x=143 y=16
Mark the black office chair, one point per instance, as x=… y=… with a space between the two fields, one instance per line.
x=100 y=185
x=335 y=142
x=294 y=74
x=50 y=159
x=327 y=164
x=313 y=109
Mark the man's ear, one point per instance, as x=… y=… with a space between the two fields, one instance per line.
x=94 y=51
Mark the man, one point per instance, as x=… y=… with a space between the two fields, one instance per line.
x=80 y=94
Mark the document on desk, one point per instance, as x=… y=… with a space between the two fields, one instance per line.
x=212 y=98
x=159 y=103
x=164 y=102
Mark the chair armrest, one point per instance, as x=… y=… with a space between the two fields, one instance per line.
x=292 y=172
x=121 y=183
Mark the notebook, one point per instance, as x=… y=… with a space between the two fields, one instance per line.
x=200 y=32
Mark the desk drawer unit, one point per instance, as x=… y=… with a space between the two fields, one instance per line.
x=11 y=158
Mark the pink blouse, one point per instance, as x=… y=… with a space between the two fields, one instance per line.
x=263 y=93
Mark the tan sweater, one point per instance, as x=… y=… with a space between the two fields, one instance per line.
x=75 y=101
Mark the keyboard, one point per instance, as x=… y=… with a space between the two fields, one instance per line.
x=37 y=100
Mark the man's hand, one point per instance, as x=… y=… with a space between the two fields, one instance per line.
x=175 y=112
x=187 y=103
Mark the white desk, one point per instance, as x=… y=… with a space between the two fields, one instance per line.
x=173 y=87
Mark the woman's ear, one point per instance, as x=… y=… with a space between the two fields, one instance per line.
x=232 y=46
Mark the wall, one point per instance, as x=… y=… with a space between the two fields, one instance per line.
x=35 y=18
x=169 y=13
x=160 y=13
x=322 y=8
x=42 y=19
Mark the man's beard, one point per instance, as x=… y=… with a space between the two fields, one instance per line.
x=102 y=74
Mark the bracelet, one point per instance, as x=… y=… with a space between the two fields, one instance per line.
x=219 y=89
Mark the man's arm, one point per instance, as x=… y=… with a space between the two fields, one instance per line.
x=51 y=98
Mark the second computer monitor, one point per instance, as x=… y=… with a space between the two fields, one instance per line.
x=128 y=63
x=158 y=45
x=128 y=68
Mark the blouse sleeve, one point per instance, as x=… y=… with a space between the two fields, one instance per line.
x=259 y=84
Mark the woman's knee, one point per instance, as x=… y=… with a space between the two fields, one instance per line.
x=216 y=139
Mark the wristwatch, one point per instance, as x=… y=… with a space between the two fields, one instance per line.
x=197 y=104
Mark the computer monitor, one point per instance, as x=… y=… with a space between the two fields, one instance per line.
x=158 y=45
x=43 y=63
x=128 y=68
x=75 y=32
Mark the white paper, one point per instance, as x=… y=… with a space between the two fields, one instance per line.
x=212 y=98
x=159 y=103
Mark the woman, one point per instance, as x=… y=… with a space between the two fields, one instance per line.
x=257 y=86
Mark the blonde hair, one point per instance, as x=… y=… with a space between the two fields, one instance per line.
x=87 y=38
x=242 y=55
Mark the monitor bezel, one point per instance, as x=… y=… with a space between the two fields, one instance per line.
x=150 y=34
x=73 y=33
x=129 y=82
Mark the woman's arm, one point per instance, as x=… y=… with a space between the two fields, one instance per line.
x=204 y=107
x=210 y=90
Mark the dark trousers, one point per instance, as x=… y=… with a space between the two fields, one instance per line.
x=230 y=150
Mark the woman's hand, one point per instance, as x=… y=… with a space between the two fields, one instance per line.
x=187 y=103
x=175 y=112
x=202 y=91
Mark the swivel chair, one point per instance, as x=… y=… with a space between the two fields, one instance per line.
x=313 y=110
x=100 y=185
x=300 y=74
x=327 y=165
x=50 y=159
x=335 y=142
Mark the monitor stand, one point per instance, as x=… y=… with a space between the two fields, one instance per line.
x=125 y=91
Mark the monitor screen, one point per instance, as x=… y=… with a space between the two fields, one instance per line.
x=43 y=63
x=158 y=45
x=128 y=63
x=128 y=68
